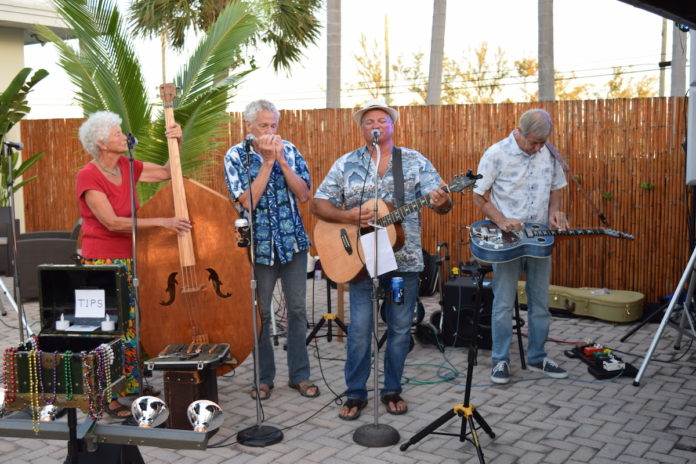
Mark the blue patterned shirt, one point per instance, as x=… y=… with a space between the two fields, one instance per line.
x=350 y=183
x=278 y=228
x=520 y=184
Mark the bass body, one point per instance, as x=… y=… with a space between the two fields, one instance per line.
x=491 y=245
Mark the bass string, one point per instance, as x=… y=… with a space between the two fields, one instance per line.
x=191 y=284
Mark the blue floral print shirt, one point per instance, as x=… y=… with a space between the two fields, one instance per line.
x=278 y=228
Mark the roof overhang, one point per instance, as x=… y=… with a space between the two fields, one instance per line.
x=24 y=14
x=679 y=11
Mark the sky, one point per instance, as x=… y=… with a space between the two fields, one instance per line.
x=590 y=38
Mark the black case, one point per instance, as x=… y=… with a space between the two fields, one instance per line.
x=458 y=305
x=182 y=388
x=57 y=285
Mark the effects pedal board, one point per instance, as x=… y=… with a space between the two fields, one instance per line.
x=601 y=362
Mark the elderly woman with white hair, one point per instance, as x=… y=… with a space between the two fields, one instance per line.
x=103 y=192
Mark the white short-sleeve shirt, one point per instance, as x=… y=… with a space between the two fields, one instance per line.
x=520 y=184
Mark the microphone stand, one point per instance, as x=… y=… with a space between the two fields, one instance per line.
x=17 y=303
x=376 y=435
x=257 y=435
x=134 y=264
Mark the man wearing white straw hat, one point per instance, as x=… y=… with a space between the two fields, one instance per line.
x=343 y=197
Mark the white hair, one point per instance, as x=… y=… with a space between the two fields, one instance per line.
x=97 y=128
x=253 y=108
x=537 y=122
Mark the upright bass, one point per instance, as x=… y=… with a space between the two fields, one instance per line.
x=195 y=287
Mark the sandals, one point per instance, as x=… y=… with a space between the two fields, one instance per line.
x=115 y=411
x=350 y=404
x=303 y=388
x=265 y=392
x=394 y=398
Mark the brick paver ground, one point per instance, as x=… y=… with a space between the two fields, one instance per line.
x=535 y=419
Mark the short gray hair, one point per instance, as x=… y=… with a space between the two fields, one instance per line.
x=97 y=128
x=253 y=108
x=537 y=122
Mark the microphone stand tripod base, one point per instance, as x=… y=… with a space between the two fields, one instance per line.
x=259 y=436
x=376 y=435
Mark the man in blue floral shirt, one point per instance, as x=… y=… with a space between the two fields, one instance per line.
x=340 y=198
x=521 y=183
x=279 y=179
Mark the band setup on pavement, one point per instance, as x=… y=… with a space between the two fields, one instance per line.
x=187 y=285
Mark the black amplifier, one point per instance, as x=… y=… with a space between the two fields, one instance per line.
x=456 y=325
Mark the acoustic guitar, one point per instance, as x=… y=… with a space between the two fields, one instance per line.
x=338 y=244
x=491 y=245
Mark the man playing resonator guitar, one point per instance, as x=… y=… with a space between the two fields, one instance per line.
x=522 y=183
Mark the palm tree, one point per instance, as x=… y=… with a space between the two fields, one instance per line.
x=109 y=76
x=288 y=26
x=333 y=54
x=13 y=107
x=437 y=50
x=546 y=77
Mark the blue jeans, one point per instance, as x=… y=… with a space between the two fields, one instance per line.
x=505 y=277
x=293 y=279
x=359 y=347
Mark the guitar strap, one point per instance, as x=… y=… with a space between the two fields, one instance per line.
x=398 y=171
x=557 y=156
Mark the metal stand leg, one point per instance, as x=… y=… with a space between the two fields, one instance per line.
x=467 y=411
x=518 y=326
x=327 y=319
x=688 y=273
x=14 y=306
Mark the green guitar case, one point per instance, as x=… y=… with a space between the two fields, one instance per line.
x=600 y=303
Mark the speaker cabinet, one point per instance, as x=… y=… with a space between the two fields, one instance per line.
x=456 y=324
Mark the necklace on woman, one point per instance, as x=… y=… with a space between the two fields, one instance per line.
x=114 y=173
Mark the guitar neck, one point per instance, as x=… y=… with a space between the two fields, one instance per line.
x=547 y=232
x=400 y=213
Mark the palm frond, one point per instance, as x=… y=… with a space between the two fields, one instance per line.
x=105 y=70
x=216 y=51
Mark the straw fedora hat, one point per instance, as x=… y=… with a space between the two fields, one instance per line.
x=375 y=104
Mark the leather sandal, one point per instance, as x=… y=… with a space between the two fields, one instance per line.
x=350 y=404
x=394 y=398
x=302 y=387
x=115 y=412
x=265 y=392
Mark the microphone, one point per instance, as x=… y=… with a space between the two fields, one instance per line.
x=15 y=145
x=131 y=140
x=249 y=140
x=375 y=136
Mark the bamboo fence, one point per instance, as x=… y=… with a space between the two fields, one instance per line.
x=626 y=154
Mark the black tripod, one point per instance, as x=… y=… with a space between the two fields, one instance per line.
x=467 y=411
x=328 y=318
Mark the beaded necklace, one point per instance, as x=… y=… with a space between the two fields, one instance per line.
x=54 y=380
x=114 y=173
x=86 y=381
x=109 y=353
x=100 y=381
x=34 y=389
x=39 y=375
x=10 y=370
x=67 y=375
